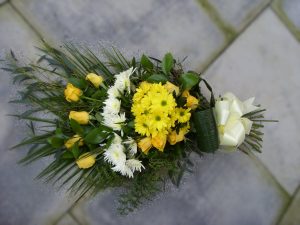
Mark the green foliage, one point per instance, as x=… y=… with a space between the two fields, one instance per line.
x=157 y=78
x=167 y=63
x=97 y=135
x=189 y=80
x=146 y=63
x=253 y=141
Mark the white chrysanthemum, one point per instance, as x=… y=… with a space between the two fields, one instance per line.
x=115 y=154
x=123 y=80
x=134 y=165
x=114 y=121
x=117 y=139
x=114 y=92
x=112 y=106
x=124 y=170
x=132 y=146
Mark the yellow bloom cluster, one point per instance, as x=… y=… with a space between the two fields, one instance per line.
x=156 y=113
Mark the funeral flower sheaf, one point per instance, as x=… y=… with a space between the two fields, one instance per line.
x=156 y=115
x=127 y=123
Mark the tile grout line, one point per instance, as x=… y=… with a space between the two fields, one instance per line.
x=277 y=8
x=289 y=204
x=264 y=167
x=25 y=19
x=228 y=31
x=229 y=43
x=290 y=197
x=75 y=218
x=3 y=3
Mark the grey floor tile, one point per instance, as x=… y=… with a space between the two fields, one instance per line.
x=152 y=26
x=22 y=199
x=238 y=12
x=264 y=62
x=227 y=189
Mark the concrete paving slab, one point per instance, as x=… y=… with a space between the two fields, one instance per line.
x=237 y=13
x=152 y=26
x=264 y=62
x=22 y=200
x=225 y=189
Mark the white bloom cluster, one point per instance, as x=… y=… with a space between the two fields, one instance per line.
x=112 y=118
x=111 y=110
x=115 y=155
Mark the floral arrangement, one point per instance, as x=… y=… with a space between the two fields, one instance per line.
x=114 y=122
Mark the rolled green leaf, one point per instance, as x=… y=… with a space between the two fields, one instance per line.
x=206 y=130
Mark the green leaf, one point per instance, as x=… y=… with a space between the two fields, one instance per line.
x=189 y=80
x=146 y=63
x=96 y=136
x=167 y=63
x=59 y=133
x=157 y=78
x=67 y=155
x=80 y=83
x=99 y=94
x=75 y=150
x=56 y=142
x=99 y=117
x=76 y=127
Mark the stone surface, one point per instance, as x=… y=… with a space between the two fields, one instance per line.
x=292 y=216
x=264 y=62
x=292 y=10
x=22 y=200
x=227 y=189
x=152 y=26
x=16 y=36
x=66 y=220
x=238 y=12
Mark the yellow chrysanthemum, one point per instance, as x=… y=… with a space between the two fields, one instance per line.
x=183 y=115
x=158 y=88
x=163 y=102
x=141 y=91
x=159 y=121
x=142 y=125
x=145 y=86
x=154 y=108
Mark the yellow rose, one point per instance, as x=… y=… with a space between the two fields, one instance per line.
x=180 y=135
x=82 y=117
x=192 y=102
x=72 y=93
x=185 y=94
x=86 y=160
x=76 y=138
x=145 y=144
x=159 y=141
x=171 y=88
x=95 y=79
x=172 y=137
